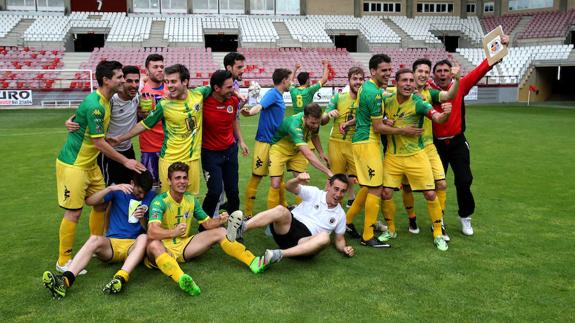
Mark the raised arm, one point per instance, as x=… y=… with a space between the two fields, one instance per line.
x=325 y=75
x=295 y=70
x=293 y=185
x=98 y=197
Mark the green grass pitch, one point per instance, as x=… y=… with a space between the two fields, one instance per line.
x=519 y=266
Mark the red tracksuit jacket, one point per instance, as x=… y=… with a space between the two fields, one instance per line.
x=455 y=125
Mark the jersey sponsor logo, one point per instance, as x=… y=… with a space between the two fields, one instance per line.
x=259 y=162
x=97 y=113
x=197 y=107
x=155 y=216
x=191 y=123
x=66 y=193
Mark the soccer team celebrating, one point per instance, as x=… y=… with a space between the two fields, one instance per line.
x=383 y=138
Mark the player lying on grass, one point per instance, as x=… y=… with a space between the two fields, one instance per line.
x=169 y=226
x=304 y=231
x=125 y=240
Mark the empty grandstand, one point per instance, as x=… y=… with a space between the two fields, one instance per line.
x=39 y=38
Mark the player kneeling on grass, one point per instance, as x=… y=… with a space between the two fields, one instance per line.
x=169 y=226
x=305 y=231
x=125 y=240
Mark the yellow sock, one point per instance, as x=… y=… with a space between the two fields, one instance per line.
x=237 y=250
x=67 y=237
x=357 y=205
x=372 y=203
x=389 y=214
x=124 y=274
x=408 y=203
x=97 y=222
x=434 y=210
x=169 y=266
x=441 y=196
x=251 y=191
x=273 y=197
x=283 y=200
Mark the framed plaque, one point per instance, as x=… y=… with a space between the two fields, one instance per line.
x=493 y=47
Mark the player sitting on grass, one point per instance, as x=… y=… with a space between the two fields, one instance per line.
x=125 y=239
x=305 y=231
x=169 y=227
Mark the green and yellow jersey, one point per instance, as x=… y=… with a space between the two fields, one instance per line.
x=430 y=96
x=369 y=108
x=412 y=112
x=302 y=96
x=169 y=213
x=344 y=104
x=93 y=117
x=291 y=134
x=182 y=122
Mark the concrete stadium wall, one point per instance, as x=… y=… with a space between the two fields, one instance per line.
x=456 y=8
x=332 y=7
x=403 y=11
x=495 y=95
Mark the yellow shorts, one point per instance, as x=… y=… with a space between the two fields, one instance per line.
x=120 y=248
x=75 y=184
x=436 y=165
x=340 y=156
x=415 y=167
x=261 y=160
x=279 y=161
x=193 y=175
x=176 y=250
x=435 y=161
x=368 y=157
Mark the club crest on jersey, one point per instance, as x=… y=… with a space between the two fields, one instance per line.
x=230 y=109
x=197 y=107
x=97 y=113
x=316 y=206
x=331 y=220
x=187 y=215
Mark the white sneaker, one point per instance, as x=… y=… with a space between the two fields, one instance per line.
x=466 y=226
x=66 y=267
x=234 y=225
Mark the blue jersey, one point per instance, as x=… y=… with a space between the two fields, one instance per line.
x=119 y=226
x=271 y=116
